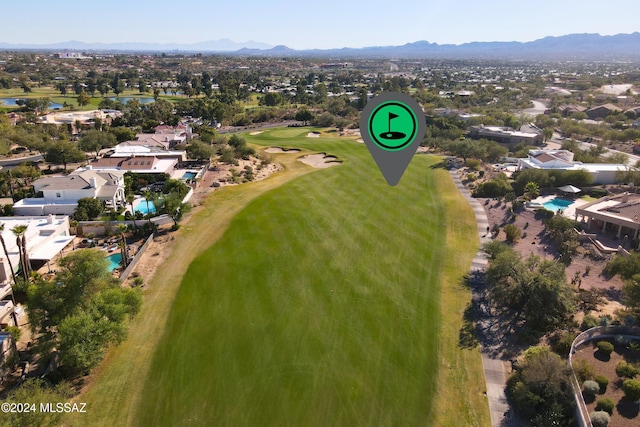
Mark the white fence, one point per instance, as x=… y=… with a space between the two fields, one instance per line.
x=599 y=332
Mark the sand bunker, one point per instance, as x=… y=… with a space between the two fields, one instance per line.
x=281 y=150
x=258 y=132
x=313 y=135
x=360 y=140
x=320 y=161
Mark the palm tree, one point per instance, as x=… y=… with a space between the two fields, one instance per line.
x=130 y=199
x=124 y=250
x=148 y=195
x=21 y=241
x=6 y=254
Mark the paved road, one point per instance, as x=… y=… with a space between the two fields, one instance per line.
x=494 y=369
x=556 y=142
x=17 y=160
x=538 y=108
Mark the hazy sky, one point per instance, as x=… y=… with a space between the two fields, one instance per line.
x=304 y=24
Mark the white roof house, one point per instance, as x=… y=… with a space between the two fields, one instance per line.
x=603 y=173
x=61 y=193
x=46 y=236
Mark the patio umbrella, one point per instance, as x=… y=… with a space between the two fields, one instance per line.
x=569 y=189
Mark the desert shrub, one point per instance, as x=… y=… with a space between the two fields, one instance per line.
x=584 y=371
x=590 y=387
x=605 y=347
x=600 y=419
x=543 y=214
x=493 y=188
x=473 y=164
x=603 y=382
x=588 y=322
x=517 y=205
x=598 y=192
x=631 y=389
x=513 y=233
x=626 y=370
x=561 y=343
x=606 y=405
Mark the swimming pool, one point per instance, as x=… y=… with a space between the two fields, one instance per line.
x=114 y=261
x=189 y=175
x=141 y=207
x=557 y=204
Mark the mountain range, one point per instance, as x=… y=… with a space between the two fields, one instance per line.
x=222 y=45
x=620 y=47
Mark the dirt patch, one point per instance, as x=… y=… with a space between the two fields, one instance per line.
x=586 y=265
x=625 y=413
x=320 y=161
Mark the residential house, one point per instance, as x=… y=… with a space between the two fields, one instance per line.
x=61 y=193
x=619 y=214
x=602 y=111
x=506 y=135
x=602 y=173
x=138 y=164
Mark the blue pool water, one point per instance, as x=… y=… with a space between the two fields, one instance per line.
x=189 y=175
x=557 y=204
x=126 y=99
x=142 y=207
x=114 y=261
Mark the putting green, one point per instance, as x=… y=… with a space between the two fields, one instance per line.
x=318 y=306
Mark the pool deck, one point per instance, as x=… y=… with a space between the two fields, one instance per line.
x=569 y=211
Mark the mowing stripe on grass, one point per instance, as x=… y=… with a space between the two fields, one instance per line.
x=319 y=306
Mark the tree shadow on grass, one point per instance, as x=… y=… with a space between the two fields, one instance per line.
x=468 y=335
x=628 y=408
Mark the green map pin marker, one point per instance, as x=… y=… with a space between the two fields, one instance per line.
x=392 y=126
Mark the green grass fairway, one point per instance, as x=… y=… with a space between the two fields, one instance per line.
x=320 y=304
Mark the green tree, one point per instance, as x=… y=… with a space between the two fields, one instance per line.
x=547 y=133
x=95 y=140
x=540 y=389
x=82 y=311
x=122 y=134
x=6 y=254
x=61 y=153
x=21 y=243
x=532 y=190
x=35 y=390
x=272 y=99
x=618 y=158
x=199 y=151
x=88 y=209
x=533 y=293
x=130 y=199
x=83 y=99
x=303 y=115
x=227 y=155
